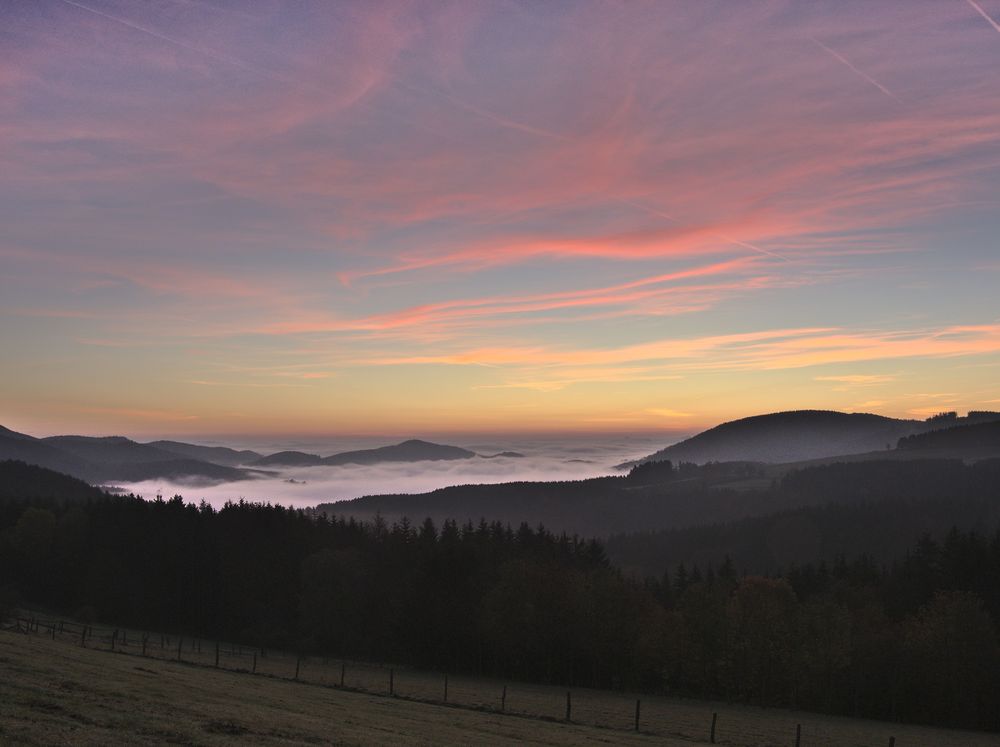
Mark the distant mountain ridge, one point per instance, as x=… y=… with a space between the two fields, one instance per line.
x=413 y=450
x=107 y=459
x=102 y=459
x=215 y=454
x=791 y=436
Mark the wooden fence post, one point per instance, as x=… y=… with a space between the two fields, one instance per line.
x=798 y=735
x=145 y=638
x=392 y=681
x=715 y=718
x=180 y=644
x=503 y=700
x=53 y=631
x=298 y=661
x=446 y=688
x=83 y=636
x=114 y=639
x=637 y=704
x=216 y=654
x=254 y=670
x=343 y=671
x=892 y=742
x=569 y=705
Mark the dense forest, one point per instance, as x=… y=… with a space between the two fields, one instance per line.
x=661 y=495
x=879 y=509
x=914 y=640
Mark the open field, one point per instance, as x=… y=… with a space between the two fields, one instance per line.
x=56 y=691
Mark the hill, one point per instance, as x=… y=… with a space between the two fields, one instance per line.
x=979 y=439
x=107 y=459
x=20 y=481
x=214 y=454
x=792 y=436
x=289 y=459
x=21 y=447
x=413 y=450
x=881 y=524
x=675 y=498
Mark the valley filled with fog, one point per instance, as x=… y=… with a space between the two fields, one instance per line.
x=573 y=457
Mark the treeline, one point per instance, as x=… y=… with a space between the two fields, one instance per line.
x=877 y=508
x=485 y=598
x=664 y=496
x=982 y=436
x=914 y=641
x=883 y=530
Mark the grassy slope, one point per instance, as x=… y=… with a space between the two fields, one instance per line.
x=56 y=692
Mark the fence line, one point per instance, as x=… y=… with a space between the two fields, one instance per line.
x=654 y=716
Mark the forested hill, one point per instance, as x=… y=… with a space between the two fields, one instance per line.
x=882 y=530
x=793 y=436
x=978 y=439
x=661 y=496
x=20 y=481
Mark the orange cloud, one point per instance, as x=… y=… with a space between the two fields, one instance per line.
x=763 y=350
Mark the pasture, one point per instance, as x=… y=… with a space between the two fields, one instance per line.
x=55 y=690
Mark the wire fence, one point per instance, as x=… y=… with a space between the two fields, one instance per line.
x=699 y=721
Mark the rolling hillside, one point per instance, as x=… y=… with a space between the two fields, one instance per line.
x=790 y=437
x=413 y=450
x=99 y=460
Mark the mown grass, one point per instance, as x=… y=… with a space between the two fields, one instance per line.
x=53 y=691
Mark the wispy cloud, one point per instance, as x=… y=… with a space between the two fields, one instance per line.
x=860 y=379
x=306 y=198
x=766 y=350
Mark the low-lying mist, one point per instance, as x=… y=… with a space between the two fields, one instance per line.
x=574 y=458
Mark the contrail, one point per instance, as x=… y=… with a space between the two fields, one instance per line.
x=478 y=111
x=983 y=13
x=182 y=44
x=836 y=55
x=483 y=113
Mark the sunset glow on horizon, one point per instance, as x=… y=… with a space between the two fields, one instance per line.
x=423 y=218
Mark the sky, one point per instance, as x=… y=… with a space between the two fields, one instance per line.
x=430 y=217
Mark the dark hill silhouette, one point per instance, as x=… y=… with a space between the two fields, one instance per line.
x=980 y=439
x=101 y=460
x=791 y=436
x=413 y=450
x=289 y=459
x=21 y=481
x=660 y=497
x=215 y=454
x=191 y=471
x=900 y=503
x=18 y=446
x=8 y=433
x=109 y=449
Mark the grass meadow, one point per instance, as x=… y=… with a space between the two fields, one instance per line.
x=53 y=690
